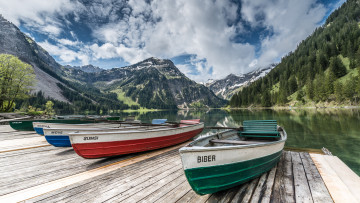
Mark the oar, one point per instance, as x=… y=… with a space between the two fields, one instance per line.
x=224 y=128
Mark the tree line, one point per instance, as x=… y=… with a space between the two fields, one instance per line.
x=315 y=70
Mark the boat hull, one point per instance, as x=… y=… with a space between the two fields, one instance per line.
x=113 y=144
x=26 y=125
x=58 y=134
x=39 y=126
x=212 y=169
x=58 y=141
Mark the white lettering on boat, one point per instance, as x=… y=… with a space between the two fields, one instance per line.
x=91 y=138
x=208 y=158
x=43 y=126
x=56 y=132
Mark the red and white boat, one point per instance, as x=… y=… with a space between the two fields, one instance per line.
x=105 y=144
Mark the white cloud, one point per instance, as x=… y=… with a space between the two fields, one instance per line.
x=65 y=54
x=290 y=20
x=36 y=14
x=166 y=29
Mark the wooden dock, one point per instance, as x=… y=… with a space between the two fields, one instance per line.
x=33 y=171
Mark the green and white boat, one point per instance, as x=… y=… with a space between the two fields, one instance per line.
x=27 y=125
x=232 y=157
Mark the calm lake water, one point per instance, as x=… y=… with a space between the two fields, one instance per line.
x=335 y=129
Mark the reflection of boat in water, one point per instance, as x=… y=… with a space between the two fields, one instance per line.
x=104 y=144
x=224 y=160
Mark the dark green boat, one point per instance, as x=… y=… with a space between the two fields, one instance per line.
x=224 y=160
x=26 y=125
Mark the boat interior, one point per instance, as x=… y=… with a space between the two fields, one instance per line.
x=234 y=137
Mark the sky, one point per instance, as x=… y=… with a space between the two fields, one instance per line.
x=206 y=39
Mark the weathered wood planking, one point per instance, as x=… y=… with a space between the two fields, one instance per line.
x=342 y=183
x=33 y=174
x=318 y=189
x=302 y=190
x=87 y=189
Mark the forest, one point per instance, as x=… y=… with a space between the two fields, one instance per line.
x=323 y=68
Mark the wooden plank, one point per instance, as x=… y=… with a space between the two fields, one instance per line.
x=241 y=190
x=348 y=177
x=191 y=196
x=317 y=186
x=338 y=190
x=177 y=193
x=85 y=190
x=114 y=195
x=302 y=190
x=163 y=190
x=110 y=191
x=259 y=190
x=234 y=142
x=283 y=187
x=230 y=193
x=159 y=189
x=19 y=144
x=47 y=187
x=245 y=191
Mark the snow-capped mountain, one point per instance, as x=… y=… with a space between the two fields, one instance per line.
x=228 y=86
x=87 y=68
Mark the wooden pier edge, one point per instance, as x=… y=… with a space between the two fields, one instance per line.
x=342 y=183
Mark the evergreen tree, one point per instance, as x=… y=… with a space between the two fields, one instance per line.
x=292 y=85
x=352 y=63
x=300 y=96
x=329 y=83
x=310 y=89
x=349 y=88
x=266 y=99
x=337 y=67
x=338 y=89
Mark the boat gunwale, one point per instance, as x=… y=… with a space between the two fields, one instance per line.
x=103 y=128
x=136 y=131
x=188 y=148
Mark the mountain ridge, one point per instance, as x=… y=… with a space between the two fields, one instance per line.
x=232 y=83
x=151 y=83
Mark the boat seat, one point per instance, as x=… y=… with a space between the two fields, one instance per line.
x=234 y=142
x=260 y=128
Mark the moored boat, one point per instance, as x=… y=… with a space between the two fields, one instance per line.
x=226 y=159
x=27 y=125
x=104 y=144
x=59 y=137
x=39 y=126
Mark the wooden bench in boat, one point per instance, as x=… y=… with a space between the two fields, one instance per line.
x=234 y=142
x=260 y=128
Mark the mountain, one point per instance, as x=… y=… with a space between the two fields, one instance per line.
x=152 y=83
x=13 y=41
x=225 y=88
x=87 y=68
x=324 y=70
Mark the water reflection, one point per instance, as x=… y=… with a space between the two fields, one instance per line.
x=336 y=129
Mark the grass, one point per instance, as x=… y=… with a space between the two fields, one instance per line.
x=345 y=61
x=125 y=99
x=275 y=88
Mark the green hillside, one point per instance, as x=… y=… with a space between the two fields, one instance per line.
x=324 y=69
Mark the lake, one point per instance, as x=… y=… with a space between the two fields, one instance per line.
x=335 y=129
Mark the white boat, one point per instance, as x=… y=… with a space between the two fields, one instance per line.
x=59 y=137
x=224 y=160
x=104 y=144
x=38 y=126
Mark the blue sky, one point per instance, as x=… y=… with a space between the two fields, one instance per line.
x=205 y=39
